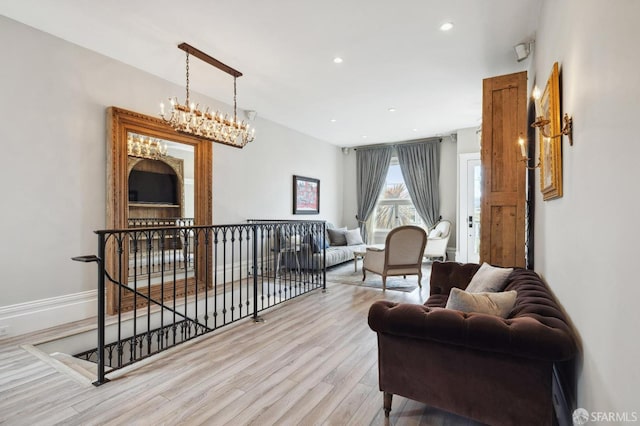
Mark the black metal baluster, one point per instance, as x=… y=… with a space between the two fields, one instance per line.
x=224 y=276
x=250 y=268
x=233 y=255
x=215 y=279
x=207 y=255
x=324 y=258
x=186 y=288
x=101 y=309
x=195 y=272
x=175 y=284
x=149 y=267
x=240 y=239
x=119 y=251
x=162 y=298
x=255 y=276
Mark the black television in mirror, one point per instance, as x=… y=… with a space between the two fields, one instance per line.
x=149 y=187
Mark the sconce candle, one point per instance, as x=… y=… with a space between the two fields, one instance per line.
x=523 y=149
x=536 y=98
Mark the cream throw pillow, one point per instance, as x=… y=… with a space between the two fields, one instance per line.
x=499 y=304
x=489 y=278
x=353 y=237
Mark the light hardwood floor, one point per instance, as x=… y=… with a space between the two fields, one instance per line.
x=313 y=361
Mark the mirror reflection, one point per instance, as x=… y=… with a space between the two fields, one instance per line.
x=160 y=193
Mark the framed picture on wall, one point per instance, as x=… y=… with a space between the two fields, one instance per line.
x=306 y=195
x=551 y=147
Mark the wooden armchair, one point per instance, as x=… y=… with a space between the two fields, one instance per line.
x=402 y=255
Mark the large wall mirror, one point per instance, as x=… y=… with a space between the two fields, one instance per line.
x=155 y=177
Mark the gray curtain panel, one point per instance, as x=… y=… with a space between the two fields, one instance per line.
x=371 y=169
x=420 y=165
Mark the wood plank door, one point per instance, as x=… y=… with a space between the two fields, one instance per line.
x=502 y=222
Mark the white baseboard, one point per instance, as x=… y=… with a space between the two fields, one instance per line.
x=451 y=254
x=40 y=314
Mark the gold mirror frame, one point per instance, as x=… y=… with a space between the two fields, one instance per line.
x=551 y=147
x=119 y=123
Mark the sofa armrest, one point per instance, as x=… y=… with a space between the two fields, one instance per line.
x=523 y=336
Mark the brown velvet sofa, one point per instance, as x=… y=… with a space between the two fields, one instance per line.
x=490 y=369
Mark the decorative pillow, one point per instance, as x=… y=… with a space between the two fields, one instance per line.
x=499 y=304
x=337 y=237
x=353 y=237
x=435 y=233
x=489 y=278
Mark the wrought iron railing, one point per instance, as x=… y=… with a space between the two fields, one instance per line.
x=148 y=254
x=234 y=272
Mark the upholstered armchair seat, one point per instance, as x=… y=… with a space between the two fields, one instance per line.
x=437 y=240
x=401 y=255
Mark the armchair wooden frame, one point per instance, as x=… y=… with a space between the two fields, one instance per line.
x=402 y=255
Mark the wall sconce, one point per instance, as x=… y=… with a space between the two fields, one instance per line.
x=345 y=150
x=525 y=158
x=542 y=124
x=548 y=122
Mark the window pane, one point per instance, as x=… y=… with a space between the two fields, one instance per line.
x=394 y=207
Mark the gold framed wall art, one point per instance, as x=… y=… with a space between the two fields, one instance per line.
x=551 y=146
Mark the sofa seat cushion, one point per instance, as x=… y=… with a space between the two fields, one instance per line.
x=339 y=254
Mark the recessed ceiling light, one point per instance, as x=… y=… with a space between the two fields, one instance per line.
x=364 y=136
x=392 y=109
x=415 y=130
x=446 y=26
x=333 y=120
x=337 y=60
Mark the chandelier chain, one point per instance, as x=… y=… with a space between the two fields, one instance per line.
x=235 y=105
x=187 y=79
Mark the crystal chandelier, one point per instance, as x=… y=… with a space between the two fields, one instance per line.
x=145 y=147
x=217 y=127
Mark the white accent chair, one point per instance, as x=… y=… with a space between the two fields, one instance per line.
x=402 y=255
x=437 y=240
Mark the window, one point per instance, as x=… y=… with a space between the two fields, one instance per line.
x=394 y=207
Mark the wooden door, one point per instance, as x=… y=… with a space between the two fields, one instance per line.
x=502 y=223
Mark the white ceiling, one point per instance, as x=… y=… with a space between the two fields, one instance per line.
x=394 y=55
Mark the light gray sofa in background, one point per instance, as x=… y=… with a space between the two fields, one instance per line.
x=310 y=254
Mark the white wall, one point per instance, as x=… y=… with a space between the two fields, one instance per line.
x=586 y=242
x=54 y=96
x=468 y=140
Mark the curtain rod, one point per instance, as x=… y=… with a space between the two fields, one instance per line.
x=439 y=139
